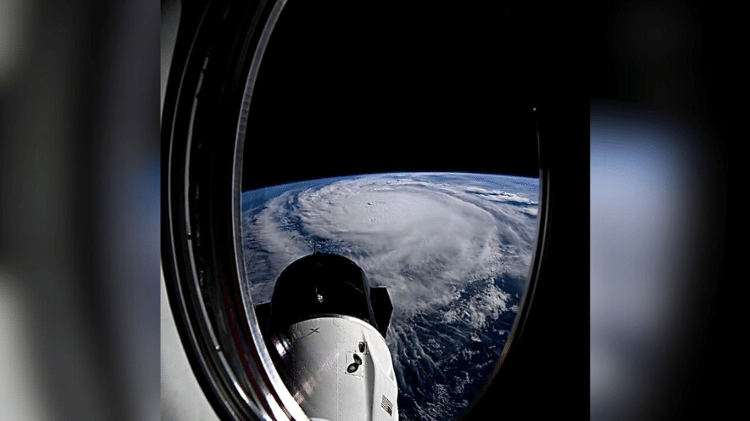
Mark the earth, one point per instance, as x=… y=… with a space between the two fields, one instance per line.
x=453 y=250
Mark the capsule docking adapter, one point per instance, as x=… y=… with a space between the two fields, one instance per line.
x=325 y=328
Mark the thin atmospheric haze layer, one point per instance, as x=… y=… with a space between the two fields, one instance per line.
x=453 y=249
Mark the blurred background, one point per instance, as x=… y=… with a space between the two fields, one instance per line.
x=662 y=170
x=79 y=206
x=79 y=199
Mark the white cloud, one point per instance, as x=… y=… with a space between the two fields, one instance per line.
x=426 y=240
x=489 y=304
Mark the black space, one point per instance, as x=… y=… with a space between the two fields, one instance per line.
x=439 y=86
x=351 y=88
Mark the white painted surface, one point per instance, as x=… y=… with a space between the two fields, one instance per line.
x=336 y=379
x=181 y=396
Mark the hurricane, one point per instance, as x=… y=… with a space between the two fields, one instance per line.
x=453 y=250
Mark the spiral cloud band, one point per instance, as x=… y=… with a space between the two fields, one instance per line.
x=452 y=249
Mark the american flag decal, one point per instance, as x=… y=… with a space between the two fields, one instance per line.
x=387 y=405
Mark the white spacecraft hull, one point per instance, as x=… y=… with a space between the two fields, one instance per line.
x=341 y=369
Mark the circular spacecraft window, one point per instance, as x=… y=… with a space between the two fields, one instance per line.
x=402 y=144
